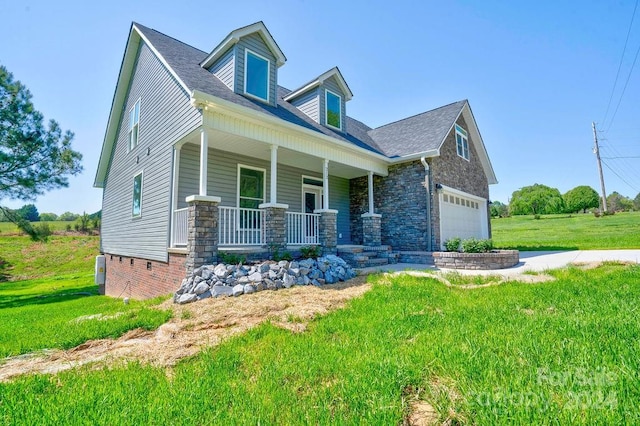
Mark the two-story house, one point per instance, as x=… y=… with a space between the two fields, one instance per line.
x=205 y=152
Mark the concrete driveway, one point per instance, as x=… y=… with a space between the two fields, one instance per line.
x=537 y=261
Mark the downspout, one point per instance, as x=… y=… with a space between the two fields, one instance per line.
x=427 y=186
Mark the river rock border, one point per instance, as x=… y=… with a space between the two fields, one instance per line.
x=235 y=280
x=497 y=259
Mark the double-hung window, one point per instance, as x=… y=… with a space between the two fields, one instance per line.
x=333 y=110
x=137 y=195
x=462 y=142
x=134 y=124
x=251 y=189
x=256 y=75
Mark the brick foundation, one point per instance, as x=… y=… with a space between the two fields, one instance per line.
x=131 y=277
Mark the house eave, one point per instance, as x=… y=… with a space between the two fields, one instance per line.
x=415 y=156
x=200 y=99
x=136 y=36
x=236 y=35
x=335 y=71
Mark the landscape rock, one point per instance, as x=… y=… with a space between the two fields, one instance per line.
x=223 y=280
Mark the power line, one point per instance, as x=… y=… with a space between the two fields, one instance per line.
x=621 y=178
x=619 y=158
x=625 y=87
x=624 y=50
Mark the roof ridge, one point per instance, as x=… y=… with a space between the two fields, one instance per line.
x=168 y=36
x=420 y=113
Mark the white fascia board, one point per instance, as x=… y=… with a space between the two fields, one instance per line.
x=415 y=156
x=122 y=88
x=120 y=93
x=236 y=35
x=481 y=150
x=200 y=99
x=318 y=81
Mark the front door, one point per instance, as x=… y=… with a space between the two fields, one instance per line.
x=312 y=199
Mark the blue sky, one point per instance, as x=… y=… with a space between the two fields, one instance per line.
x=536 y=73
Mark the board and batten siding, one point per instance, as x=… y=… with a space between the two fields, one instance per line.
x=166 y=115
x=224 y=67
x=222 y=181
x=309 y=104
x=255 y=43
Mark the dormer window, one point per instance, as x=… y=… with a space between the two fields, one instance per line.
x=333 y=109
x=256 y=75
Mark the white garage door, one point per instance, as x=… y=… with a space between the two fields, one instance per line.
x=462 y=215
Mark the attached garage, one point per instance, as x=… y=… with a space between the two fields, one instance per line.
x=462 y=215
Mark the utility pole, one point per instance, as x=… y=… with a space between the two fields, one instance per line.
x=596 y=151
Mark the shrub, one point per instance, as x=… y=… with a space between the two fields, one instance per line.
x=275 y=254
x=309 y=252
x=231 y=258
x=474 y=245
x=452 y=244
x=536 y=216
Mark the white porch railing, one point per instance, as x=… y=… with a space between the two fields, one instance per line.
x=240 y=227
x=302 y=228
x=180 y=227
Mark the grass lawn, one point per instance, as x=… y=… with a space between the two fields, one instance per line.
x=46 y=287
x=561 y=352
x=564 y=232
x=8 y=228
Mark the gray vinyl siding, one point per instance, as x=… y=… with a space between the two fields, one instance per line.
x=255 y=43
x=222 y=181
x=165 y=116
x=339 y=200
x=332 y=86
x=224 y=67
x=309 y=104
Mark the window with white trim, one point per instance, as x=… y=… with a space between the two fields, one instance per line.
x=134 y=124
x=256 y=75
x=251 y=187
x=136 y=210
x=333 y=110
x=462 y=142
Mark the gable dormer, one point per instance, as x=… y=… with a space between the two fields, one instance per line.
x=323 y=99
x=247 y=62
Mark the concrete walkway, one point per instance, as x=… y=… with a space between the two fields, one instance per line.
x=536 y=261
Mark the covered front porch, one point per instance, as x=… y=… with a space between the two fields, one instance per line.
x=235 y=191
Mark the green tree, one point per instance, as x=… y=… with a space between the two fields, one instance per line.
x=636 y=202
x=34 y=158
x=536 y=199
x=617 y=202
x=581 y=198
x=499 y=209
x=68 y=216
x=28 y=212
x=48 y=217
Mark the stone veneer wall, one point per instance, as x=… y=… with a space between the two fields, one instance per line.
x=401 y=199
x=328 y=231
x=202 y=239
x=142 y=279
x=454 y=171
x=495 y=260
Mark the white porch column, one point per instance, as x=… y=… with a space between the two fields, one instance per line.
x=273 y=197
x=371 y=193
x=325 y=185
x=174 y=191
x=204 y=158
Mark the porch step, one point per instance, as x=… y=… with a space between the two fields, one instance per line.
x=366 y=256
x=377 y=261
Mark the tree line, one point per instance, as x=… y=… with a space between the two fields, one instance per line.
x=540 y=199
x=30 y=213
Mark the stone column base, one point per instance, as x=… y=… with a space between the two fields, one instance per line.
x=202 y=238
x=371 y=225
x=328 y=230
x=275 y=225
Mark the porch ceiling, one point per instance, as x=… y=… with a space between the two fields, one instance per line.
x=224 y=141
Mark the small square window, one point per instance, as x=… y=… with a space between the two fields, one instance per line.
x=462 y=142
x=137 y=195
x=256 y=75
x=445 y=198
x=134 y=125
x=333 y=109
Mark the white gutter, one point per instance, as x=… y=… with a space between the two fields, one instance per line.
x=427 y=185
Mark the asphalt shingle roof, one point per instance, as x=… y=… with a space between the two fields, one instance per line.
x=420 y=133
